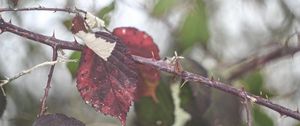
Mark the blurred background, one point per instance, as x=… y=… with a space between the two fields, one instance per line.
x=214 y=36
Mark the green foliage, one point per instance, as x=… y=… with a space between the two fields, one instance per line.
x=73 y=66
x=260 y=118
x=195 y=27
x=254 y=84
x=150 y=113
x=162 y=6
x=67 y=23
x=103 y=12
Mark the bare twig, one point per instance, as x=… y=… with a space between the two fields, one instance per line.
x=24 y=72
x=43 y=107
x=40 y=8
x=163 y=66
x=262 y=60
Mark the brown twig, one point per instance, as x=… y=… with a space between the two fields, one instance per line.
x=40 y=8
x=48 y=40
x=43 y=104
x=158 y=64
x=262 y=60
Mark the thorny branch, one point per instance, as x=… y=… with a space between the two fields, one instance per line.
x=43 y=107
x=158 y=64
x=163 y=66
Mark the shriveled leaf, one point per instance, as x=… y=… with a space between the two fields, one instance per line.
x=57 y=120
x=195 y=27
x=195 y=97
x=108 y=86
x=150 y=113
x=261 y=118
x=141 y=44
x=73 y=66
x=107 y=77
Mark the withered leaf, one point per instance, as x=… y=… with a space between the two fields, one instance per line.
x=141 y=44
x=108 y=86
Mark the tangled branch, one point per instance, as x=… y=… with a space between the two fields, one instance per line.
x=158 y=64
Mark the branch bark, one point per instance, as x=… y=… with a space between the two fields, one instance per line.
x=158 y=64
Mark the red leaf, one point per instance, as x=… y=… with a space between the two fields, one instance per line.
x=141 y=44
x=108 y=86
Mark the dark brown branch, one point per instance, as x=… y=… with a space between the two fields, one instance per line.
x=262 y=60
x=158 y=64
x=43 y=104
x=51 y=41
x=164 y=66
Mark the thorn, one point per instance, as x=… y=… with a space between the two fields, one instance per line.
x=297 y=110
x=267 y=97
x=212 y=78
x=75 y=40
x=9 y=21
x=2 y=89
x=41 y=6
x=260 y=92
x=165 y=59
x=61 y=52
x=53 y=34
x=153 y=56
x=185 y=81
x=282 y=115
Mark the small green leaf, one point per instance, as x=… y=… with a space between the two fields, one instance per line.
x=150 y=113
x=162 y=7
x=254 y=82
x=72 y=66
x=261 y=118
x=195 y=27
x=67 y=23
x=104 y=12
